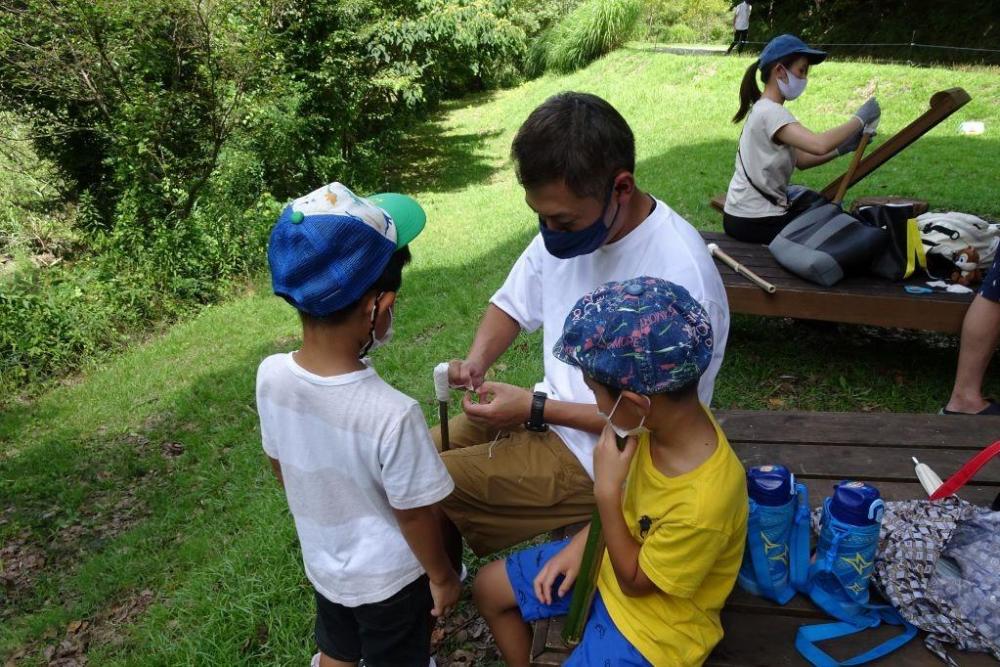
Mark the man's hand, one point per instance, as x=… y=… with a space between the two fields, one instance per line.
x=465 y=374
x=610 y=465
x=565 y=563
x=445 y=594
x=501 y=405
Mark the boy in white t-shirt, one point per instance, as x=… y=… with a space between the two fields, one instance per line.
x=354 y=455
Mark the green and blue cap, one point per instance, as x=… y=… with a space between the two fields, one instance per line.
x=330 y=246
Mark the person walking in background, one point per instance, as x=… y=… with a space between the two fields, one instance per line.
x=774 y=143
x=741 y=26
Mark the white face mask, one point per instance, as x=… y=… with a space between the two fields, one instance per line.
x=621 y=432
x=793 y=87
x=373 y=342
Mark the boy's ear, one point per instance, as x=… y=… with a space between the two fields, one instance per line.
x=640 y=402
x=386 y=302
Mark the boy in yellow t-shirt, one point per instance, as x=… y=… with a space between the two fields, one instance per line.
x=673 y=504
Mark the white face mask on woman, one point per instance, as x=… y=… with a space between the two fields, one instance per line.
x=793 y=87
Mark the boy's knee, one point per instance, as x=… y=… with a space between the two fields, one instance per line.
x=491 y=590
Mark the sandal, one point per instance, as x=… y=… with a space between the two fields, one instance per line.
x=992 y=409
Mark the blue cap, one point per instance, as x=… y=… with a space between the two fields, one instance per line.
x=771 y=485
x=856 y=503
x=645 y=334
x=786 y=45
x=330 y=246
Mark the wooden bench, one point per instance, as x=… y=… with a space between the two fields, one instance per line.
x=822 y=448
x=861 y=300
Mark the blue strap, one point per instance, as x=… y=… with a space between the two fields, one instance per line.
x=758 y=559
x=809 y=635
x=798 y=557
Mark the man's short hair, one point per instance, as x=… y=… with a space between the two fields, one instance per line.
x=577 y=138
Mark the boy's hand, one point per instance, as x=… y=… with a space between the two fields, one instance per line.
x=507 y=405
x=610 y=465
x=565 y=563
x=445 y=594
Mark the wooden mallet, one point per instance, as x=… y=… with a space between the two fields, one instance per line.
x=724 y=257
x=442 y=392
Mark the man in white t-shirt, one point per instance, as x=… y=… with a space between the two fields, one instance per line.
x=741 y=26
x=354 y=455
x=522 y=461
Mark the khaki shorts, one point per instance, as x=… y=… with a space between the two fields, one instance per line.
x=513 y=487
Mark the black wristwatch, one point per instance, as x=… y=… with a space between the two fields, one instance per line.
x=536 y=422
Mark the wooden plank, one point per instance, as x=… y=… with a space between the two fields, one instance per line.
x=882 y=428
x=942 y=104
x=927 y=314
x=769 y=641
x=718 y=202
x=837 y=462
x=819 y=488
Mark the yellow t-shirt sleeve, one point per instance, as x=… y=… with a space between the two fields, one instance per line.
x=677 y=557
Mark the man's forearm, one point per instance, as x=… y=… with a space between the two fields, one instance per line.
x=581 y=416
x=496 y=332
x=422 y=530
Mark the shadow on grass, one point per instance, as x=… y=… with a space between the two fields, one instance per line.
x=195 y=498
x=431 y=159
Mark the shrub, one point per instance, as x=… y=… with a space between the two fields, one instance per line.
x=175 y=127
x=688 y=21
x=594 y=28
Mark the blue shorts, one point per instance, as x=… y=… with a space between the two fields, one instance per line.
x=602 y=643
x=990 y=288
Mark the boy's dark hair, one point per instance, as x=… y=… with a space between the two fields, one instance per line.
x=575 y=137
x=676 y=394
x=390 y=281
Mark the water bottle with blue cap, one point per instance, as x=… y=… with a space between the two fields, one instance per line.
x=777 y=551
x=841 y=572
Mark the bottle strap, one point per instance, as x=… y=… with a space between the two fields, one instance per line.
x=966 y=472
x=798 y=558
x=809 y=635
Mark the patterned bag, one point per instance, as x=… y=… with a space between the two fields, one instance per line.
x=939 y=565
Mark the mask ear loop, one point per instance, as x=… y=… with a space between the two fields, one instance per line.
x=371 y=330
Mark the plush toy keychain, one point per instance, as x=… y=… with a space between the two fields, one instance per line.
x=967 y=263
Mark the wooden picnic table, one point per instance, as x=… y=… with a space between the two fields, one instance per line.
x=822 y=448
x=856 y=300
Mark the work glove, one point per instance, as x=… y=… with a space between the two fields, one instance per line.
x=851 y=143
x=869 y=112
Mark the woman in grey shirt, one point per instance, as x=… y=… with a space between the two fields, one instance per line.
x=774 y=143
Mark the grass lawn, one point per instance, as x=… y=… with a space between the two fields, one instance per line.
x=139 y=523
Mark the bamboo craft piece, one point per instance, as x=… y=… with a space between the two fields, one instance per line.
x=858 y=152
x=586 y=581
x=942 y=104
x=441 y=392
x=724 y=257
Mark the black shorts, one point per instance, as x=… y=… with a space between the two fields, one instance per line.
x=395 y=632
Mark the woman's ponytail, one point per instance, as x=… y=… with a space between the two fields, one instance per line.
x=749 y=92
